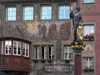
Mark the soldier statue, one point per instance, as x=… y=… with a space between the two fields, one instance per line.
x=77 y=19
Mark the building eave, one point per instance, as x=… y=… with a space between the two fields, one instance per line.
x=35 y=1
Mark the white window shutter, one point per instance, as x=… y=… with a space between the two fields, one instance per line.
x=45 y=52
x=38 y=52
x=35 y=52
x=2 y=48
x=52 y=52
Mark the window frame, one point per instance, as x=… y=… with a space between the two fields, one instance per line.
x=64 y=10
x=88 y=2
x=25 y=49
x=2 y=47
x=17 y=48
x=69 y=45
x=40 y=46
x=90 y=24
x=51 y=52
x=8 y=48
x=6 y=13
x=68 y=52
x=88 y=62
x=28 y=15
x=41 y=5
x=89 y=29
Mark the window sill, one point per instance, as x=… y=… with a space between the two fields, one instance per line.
x=46 y=20
x=10 y=20
x=88 y=39
x=28 y=20
x=88 y=73
x=42 y=60
x=67 y=59
x=88 y=3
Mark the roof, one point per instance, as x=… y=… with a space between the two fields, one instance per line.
x=35 y=1
x=16 y=33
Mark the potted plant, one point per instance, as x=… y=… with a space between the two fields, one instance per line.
x=89 y=37
x=88 y=70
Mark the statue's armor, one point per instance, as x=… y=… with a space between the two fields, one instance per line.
x=77 y=18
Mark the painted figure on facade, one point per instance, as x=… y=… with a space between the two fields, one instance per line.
x=77 y=19
x=52 y=32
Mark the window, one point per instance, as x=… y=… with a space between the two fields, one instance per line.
x=89 y=63
x=44 y=52
x=51 y=52
x=25 y=49
x=67 y=53
x=88 y=30
x=88 y=1
x=46 y=12
x=2 y=47
x=28 y=13
x=64 y=12
x=17 y=48
x=37 y=52
x=7 y=47
x=11 y=13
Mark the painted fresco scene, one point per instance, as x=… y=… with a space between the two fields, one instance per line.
x=49 y=37
x=41 y=31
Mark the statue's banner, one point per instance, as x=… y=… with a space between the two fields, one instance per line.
x=80 y=32
x=52 y=68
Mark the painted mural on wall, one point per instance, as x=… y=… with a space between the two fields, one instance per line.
x=36 y=30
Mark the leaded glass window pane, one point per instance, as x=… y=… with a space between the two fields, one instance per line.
x=46 y=12
x=64 y=12
x=11 y=13
x=28 y=13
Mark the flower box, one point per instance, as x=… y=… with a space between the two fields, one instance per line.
x=88 y=38
x=88 y=70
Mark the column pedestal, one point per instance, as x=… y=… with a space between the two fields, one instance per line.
x=78 y=65
x=78 y=47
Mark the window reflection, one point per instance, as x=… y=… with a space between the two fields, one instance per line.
x=88 y=1
x=28 y=13
x=88 y=30
x=46 y=12
x=8 y=47
x=17 y=47
x=64 y=12
x=68 y=52
x=23 y=48
x=11 y=13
